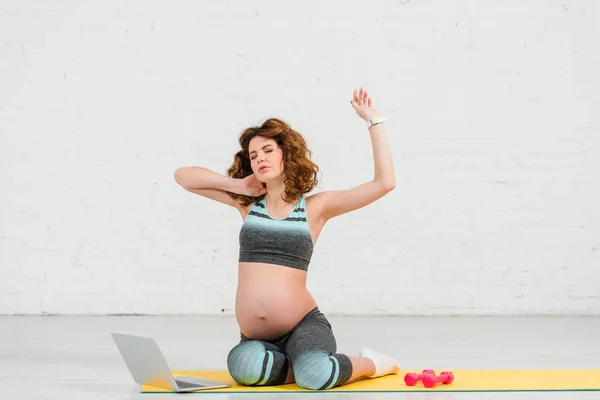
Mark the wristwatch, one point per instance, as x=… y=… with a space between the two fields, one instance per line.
x=375 y=120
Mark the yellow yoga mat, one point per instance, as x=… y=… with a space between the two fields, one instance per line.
x=464 y=381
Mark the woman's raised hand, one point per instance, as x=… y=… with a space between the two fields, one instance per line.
x=362 y=104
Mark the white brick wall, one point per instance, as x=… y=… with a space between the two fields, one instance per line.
x=495 y=134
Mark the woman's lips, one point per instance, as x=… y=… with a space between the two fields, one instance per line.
x=263 y=169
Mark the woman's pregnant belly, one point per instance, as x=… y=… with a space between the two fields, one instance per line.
x=270 y=300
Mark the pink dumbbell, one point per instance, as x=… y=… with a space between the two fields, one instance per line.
x=431 y=380
x=411 y=378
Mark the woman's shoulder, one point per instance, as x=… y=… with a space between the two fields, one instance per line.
x=313 y=197
x=245 y=209
x=314 y=202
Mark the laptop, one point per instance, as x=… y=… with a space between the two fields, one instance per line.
x=149 y=367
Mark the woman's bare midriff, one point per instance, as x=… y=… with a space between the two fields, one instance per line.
x=270 y=300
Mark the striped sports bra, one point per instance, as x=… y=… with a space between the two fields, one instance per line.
x=286 y=241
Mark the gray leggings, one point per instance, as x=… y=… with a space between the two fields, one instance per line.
x=310 y=347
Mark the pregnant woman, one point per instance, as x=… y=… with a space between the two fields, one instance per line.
x=284 y=337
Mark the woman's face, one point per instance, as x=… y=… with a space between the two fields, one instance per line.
x=266 y=158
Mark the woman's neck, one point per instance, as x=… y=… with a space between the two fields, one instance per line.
x=275 y=196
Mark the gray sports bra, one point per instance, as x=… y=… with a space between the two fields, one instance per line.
x=269 y=240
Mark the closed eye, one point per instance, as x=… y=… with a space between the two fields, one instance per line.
x=268 y=151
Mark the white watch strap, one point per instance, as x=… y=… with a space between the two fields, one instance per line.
x=375 y=120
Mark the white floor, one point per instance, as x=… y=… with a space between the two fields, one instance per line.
x=75 y=358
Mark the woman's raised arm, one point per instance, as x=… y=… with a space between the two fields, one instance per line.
x=336 y=202
x=215 y=186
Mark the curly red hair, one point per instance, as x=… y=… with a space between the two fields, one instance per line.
x=300 y=171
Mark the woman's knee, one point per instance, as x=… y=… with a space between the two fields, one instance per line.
x=250 y=363
x=318 y=370
x=245 y=362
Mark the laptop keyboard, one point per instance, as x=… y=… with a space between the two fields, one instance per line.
x=186 y=385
